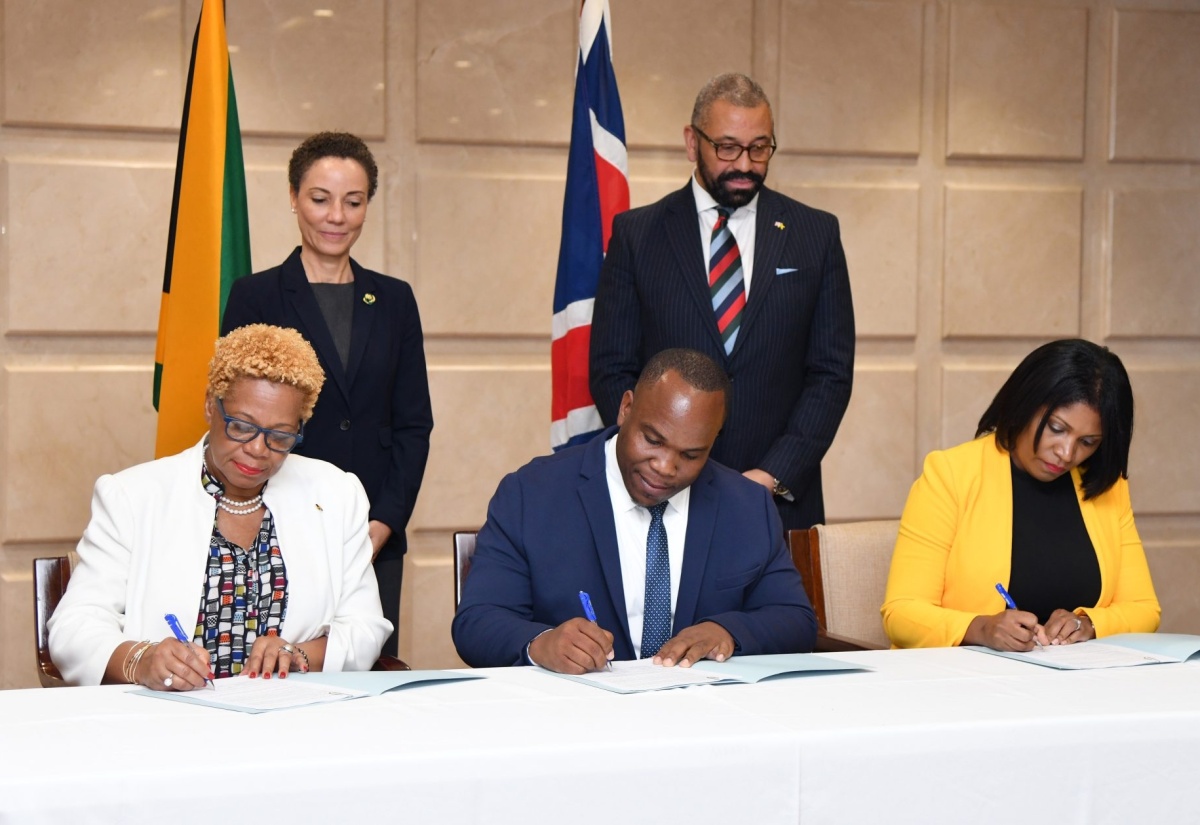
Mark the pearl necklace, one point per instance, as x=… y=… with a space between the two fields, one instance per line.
x=237 y=508
x=246 y=507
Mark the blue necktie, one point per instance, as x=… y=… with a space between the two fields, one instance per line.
x=656 y=618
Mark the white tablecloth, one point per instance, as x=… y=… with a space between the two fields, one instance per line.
x=925 y=736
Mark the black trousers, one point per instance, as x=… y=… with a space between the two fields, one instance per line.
x=390 y=574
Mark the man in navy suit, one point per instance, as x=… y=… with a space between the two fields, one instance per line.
x=777 y=316
x=580 y=520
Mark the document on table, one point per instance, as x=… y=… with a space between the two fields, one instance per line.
x=643 y=675
x=1121 y=650
x=246 y=695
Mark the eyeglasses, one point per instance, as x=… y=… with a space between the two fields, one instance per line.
x=243 y=432
x=759 y=152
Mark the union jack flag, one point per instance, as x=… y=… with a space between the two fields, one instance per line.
x=597 y=189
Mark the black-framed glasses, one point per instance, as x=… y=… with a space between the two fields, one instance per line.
x=243 y=432
x=728 y=152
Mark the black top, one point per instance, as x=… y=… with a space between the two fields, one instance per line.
x=337 y=308
x=373 y=416
x=1054 y=564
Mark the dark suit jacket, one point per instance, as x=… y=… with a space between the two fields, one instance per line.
x=374 y=418
x=550 y=533
x=793 y=363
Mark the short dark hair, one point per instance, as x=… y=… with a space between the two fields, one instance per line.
x=1059 y=374
x=732 y=87
x=695 y=368
x=332 y=145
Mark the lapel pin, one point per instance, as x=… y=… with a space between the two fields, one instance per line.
x=779 y=225
x=369 y=298
x=319 y=507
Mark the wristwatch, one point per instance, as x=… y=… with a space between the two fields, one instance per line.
x=779 y=489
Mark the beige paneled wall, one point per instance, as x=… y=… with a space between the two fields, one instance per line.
x=1005 y=173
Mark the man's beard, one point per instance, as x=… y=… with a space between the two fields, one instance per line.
x=732 y=198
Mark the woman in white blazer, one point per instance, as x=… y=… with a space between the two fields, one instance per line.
x=264 y=558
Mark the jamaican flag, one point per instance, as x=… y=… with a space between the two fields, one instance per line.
x=209 y=241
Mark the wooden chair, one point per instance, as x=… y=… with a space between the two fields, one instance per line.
x=390 y=663
x=464 y=548
x=845 y=570
x=50 y=577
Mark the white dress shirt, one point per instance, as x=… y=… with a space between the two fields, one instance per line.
x=633 y=526
x=742 y=223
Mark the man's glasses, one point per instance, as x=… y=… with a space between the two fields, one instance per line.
x=759 y=152
x=243 y=432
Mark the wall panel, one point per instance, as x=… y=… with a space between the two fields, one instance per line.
x=1003 y=173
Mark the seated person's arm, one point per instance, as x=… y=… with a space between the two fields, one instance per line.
x=358 y=629
x=913 y=615
x=151 y=664
x=775 y=615
x=494 y=621
x=1134 y=607
x=576 y=646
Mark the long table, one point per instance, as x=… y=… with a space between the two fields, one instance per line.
x=923 y=736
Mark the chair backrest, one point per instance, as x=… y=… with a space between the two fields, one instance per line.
x=464 y=548
x=845 y=571
x=50 y=577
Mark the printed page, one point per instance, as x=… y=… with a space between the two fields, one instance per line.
x=241 y=693
x=643 y=675
x=1083 y=656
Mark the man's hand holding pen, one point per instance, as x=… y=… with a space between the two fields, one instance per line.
x=576 y=646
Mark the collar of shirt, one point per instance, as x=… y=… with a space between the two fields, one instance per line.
x=632 y=523
x=742 y=223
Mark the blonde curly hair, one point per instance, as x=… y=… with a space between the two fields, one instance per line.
x=262 y=351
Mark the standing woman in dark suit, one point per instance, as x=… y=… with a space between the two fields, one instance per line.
x=373 y=418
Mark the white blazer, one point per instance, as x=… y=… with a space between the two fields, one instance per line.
x=145 y=553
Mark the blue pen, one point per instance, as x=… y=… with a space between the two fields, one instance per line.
x=1008 y=600
x=177 y=629
x=1011 y=605
x=590 y=614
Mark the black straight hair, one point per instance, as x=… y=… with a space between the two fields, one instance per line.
x=1059 y=374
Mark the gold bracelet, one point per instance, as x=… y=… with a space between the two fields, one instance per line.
x=136 y=661
x=125 y=666
x=125 y=663
x=133 y=657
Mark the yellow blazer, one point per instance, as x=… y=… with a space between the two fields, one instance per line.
x=955 y=544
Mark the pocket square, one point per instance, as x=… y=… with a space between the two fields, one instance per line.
x=784 y=270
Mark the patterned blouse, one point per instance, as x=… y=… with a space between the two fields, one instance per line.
x=244 y=594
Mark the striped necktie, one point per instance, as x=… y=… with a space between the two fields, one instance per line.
x=725 y=279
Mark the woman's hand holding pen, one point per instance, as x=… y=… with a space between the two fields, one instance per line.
x=1065 y=628
x=1007 y=630
x=174 y=665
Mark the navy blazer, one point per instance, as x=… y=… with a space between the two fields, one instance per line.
x=793 y=363
x=550 y=533
x=374 y=417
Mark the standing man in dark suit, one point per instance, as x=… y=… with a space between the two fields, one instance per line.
x=373 y=417
x=683 y=559
x=750 y=277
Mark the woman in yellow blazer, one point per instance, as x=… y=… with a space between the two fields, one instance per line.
x=1038 y=504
